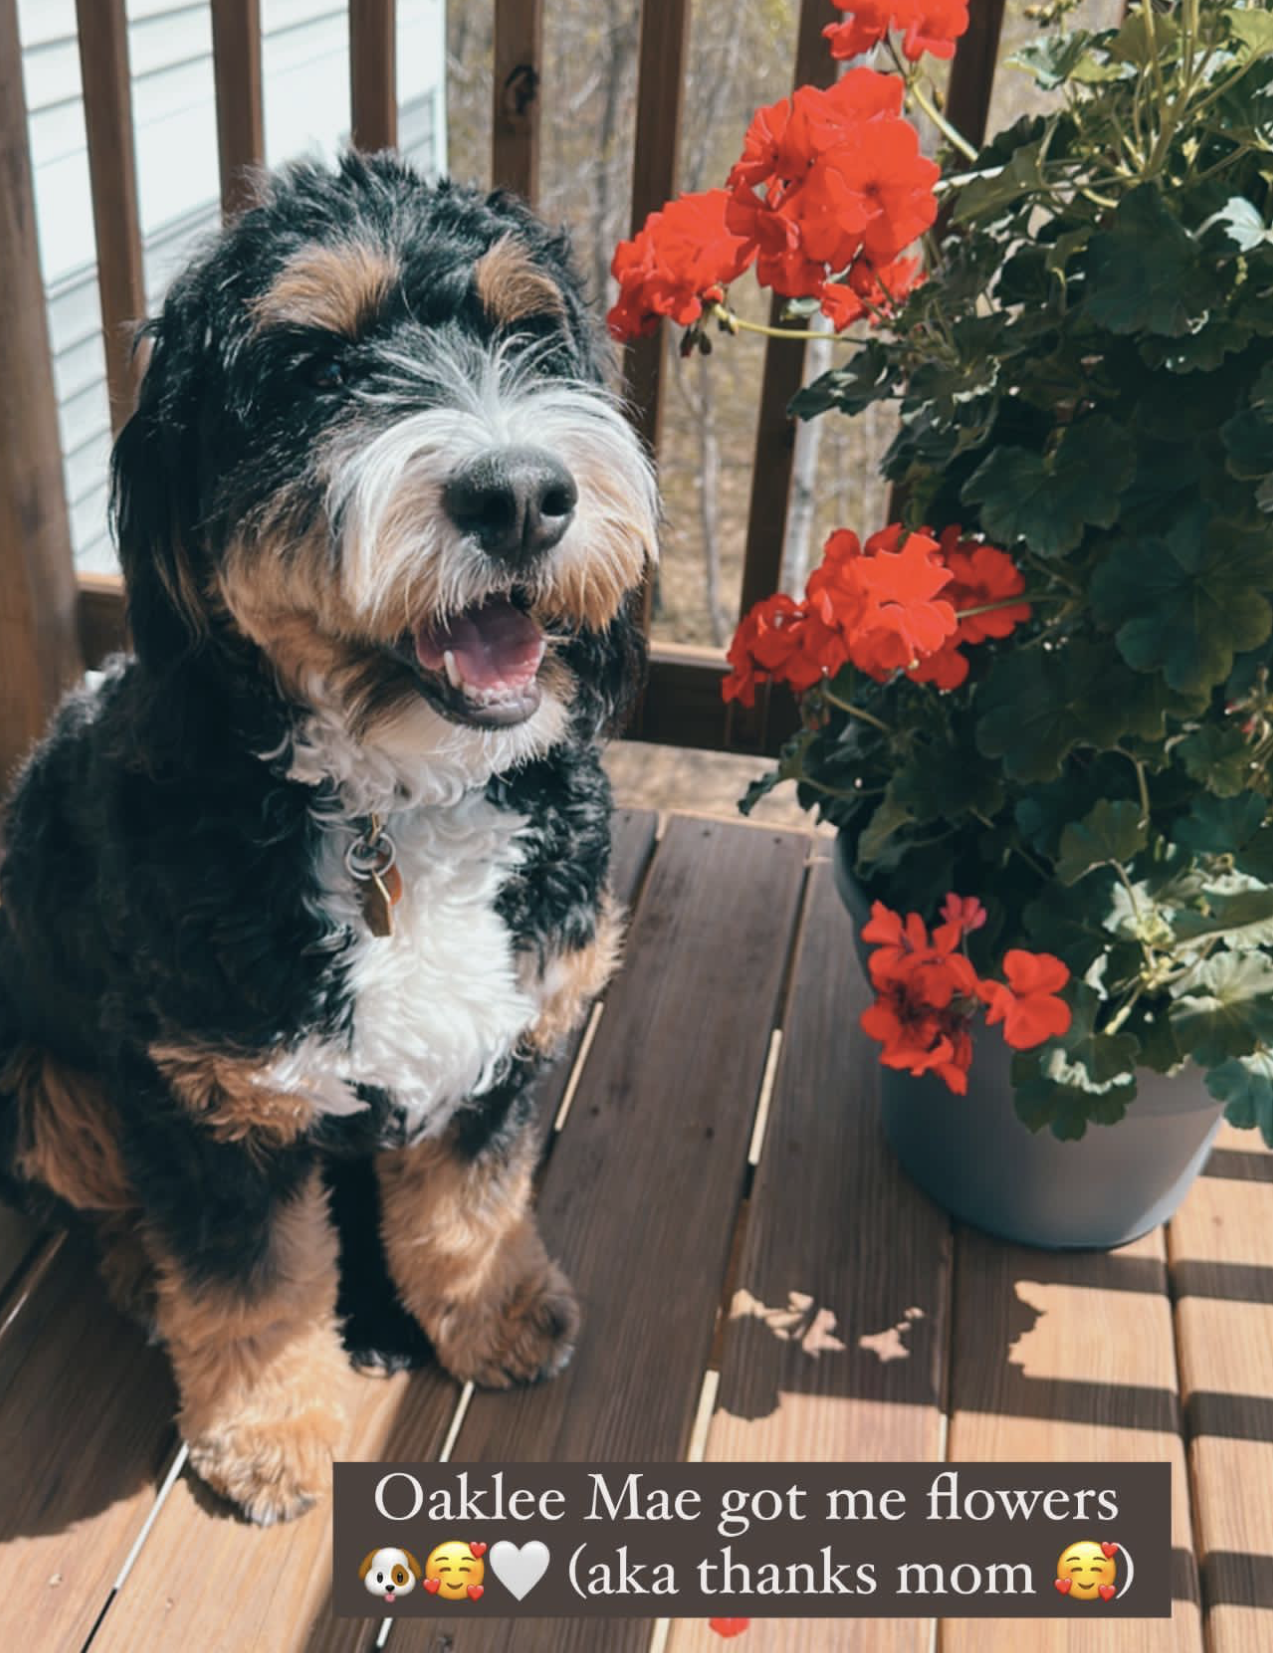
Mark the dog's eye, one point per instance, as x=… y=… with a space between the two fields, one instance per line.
x=326 y=373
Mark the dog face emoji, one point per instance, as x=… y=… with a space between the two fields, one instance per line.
x=390 y=1573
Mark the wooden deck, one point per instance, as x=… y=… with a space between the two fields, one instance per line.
x=759 y=1281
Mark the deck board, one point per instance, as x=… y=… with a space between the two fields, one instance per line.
x=660 y=1124
x=836 y=1343
x=1222 y=1280
x=644 y=1196
x=85 y=1433
x=1069 y=1357
x=198 y=1554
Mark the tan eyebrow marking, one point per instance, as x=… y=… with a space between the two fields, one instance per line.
x=511 y=286
x=337 y=287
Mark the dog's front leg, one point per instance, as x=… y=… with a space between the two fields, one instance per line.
x=258 y=1362
x=468 y=1261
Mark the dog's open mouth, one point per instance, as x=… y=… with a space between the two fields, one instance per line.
x=481 y=664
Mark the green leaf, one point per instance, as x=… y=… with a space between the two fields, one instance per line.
x=1144 y=273
x=1221 y=826
x=1037 y=705
x=1159 y=1046
x=1224 y=1007
x=1072 y=924
x=1085 y=1076
x=1241 y=919
x=868 y=376
x=1241 y=221
x=1136 y=42
x=889 y=817
x=1184 y=604
x=1110 y=835
x=1047 y=501
x=1248 y=441
x=943 y=781
x=1245 y=1085
x=992 y=193
x=1201 y=351
x=1217 y=756
x=1252 y=26
x=1053 y=58
x=756 y=790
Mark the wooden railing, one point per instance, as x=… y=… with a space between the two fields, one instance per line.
x=52 y=625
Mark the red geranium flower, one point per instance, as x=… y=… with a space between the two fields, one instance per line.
x=926 y=26
x=682 y=255
x=925 y=992
x=964 y=911
x=841 y=171
x=1027 y=1005
x=728 y=1627
x=868 y=291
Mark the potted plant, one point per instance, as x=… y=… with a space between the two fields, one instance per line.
x=1038 y=707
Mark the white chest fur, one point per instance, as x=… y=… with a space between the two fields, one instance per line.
x=438 y=1003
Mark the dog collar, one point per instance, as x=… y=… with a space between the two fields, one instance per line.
x=371 y=861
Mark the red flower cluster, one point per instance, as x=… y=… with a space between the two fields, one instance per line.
x=682 y=256
x=925 y=25
x=843 y=178
x=927 y=992
x=875 y=605
x=829 y=190
x=891 y=605
x=981 y=578
x=728 y=1627
x=869 y=292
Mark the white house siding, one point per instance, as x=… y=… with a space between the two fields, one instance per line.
x=305 y=68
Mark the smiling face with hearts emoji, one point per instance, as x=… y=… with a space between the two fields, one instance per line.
x=455 y=1571
x=1088 y=1571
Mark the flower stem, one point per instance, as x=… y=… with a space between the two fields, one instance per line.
x=857 y=711
x=735 y=324
x=1010 y=602
x=954 y=138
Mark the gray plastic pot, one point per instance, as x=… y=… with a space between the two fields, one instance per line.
x=974 y=1156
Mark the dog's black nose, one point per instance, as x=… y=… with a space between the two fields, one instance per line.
x=514 y=501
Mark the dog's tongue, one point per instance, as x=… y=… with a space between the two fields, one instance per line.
x=494 y=645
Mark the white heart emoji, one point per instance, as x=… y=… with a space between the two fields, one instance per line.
x=519 y=1570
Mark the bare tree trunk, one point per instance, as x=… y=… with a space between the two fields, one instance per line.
x=803 y=503
x=709 y=498
x=621 y=41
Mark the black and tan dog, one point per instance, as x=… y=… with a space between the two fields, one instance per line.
x=321 y=873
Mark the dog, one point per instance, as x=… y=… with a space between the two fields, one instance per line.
x=390 y=1573
x=318 y=876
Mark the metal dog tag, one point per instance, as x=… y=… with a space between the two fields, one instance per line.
x=371 y=860
x=380 y=893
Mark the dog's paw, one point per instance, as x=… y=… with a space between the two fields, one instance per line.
x=273 y=1470
x=529 y=1337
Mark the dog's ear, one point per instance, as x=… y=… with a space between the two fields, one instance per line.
x=155 y=471
x=414 y=1565
x=367 y=1561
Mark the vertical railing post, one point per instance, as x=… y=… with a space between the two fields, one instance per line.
x=236 y=56
x=775 y=448
x=112 y=165
x=972 y=73
x=373 y=86
x=39 y=650
x=660 y=94
x=519 y=60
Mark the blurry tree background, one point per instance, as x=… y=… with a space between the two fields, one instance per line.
x=740 y=56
